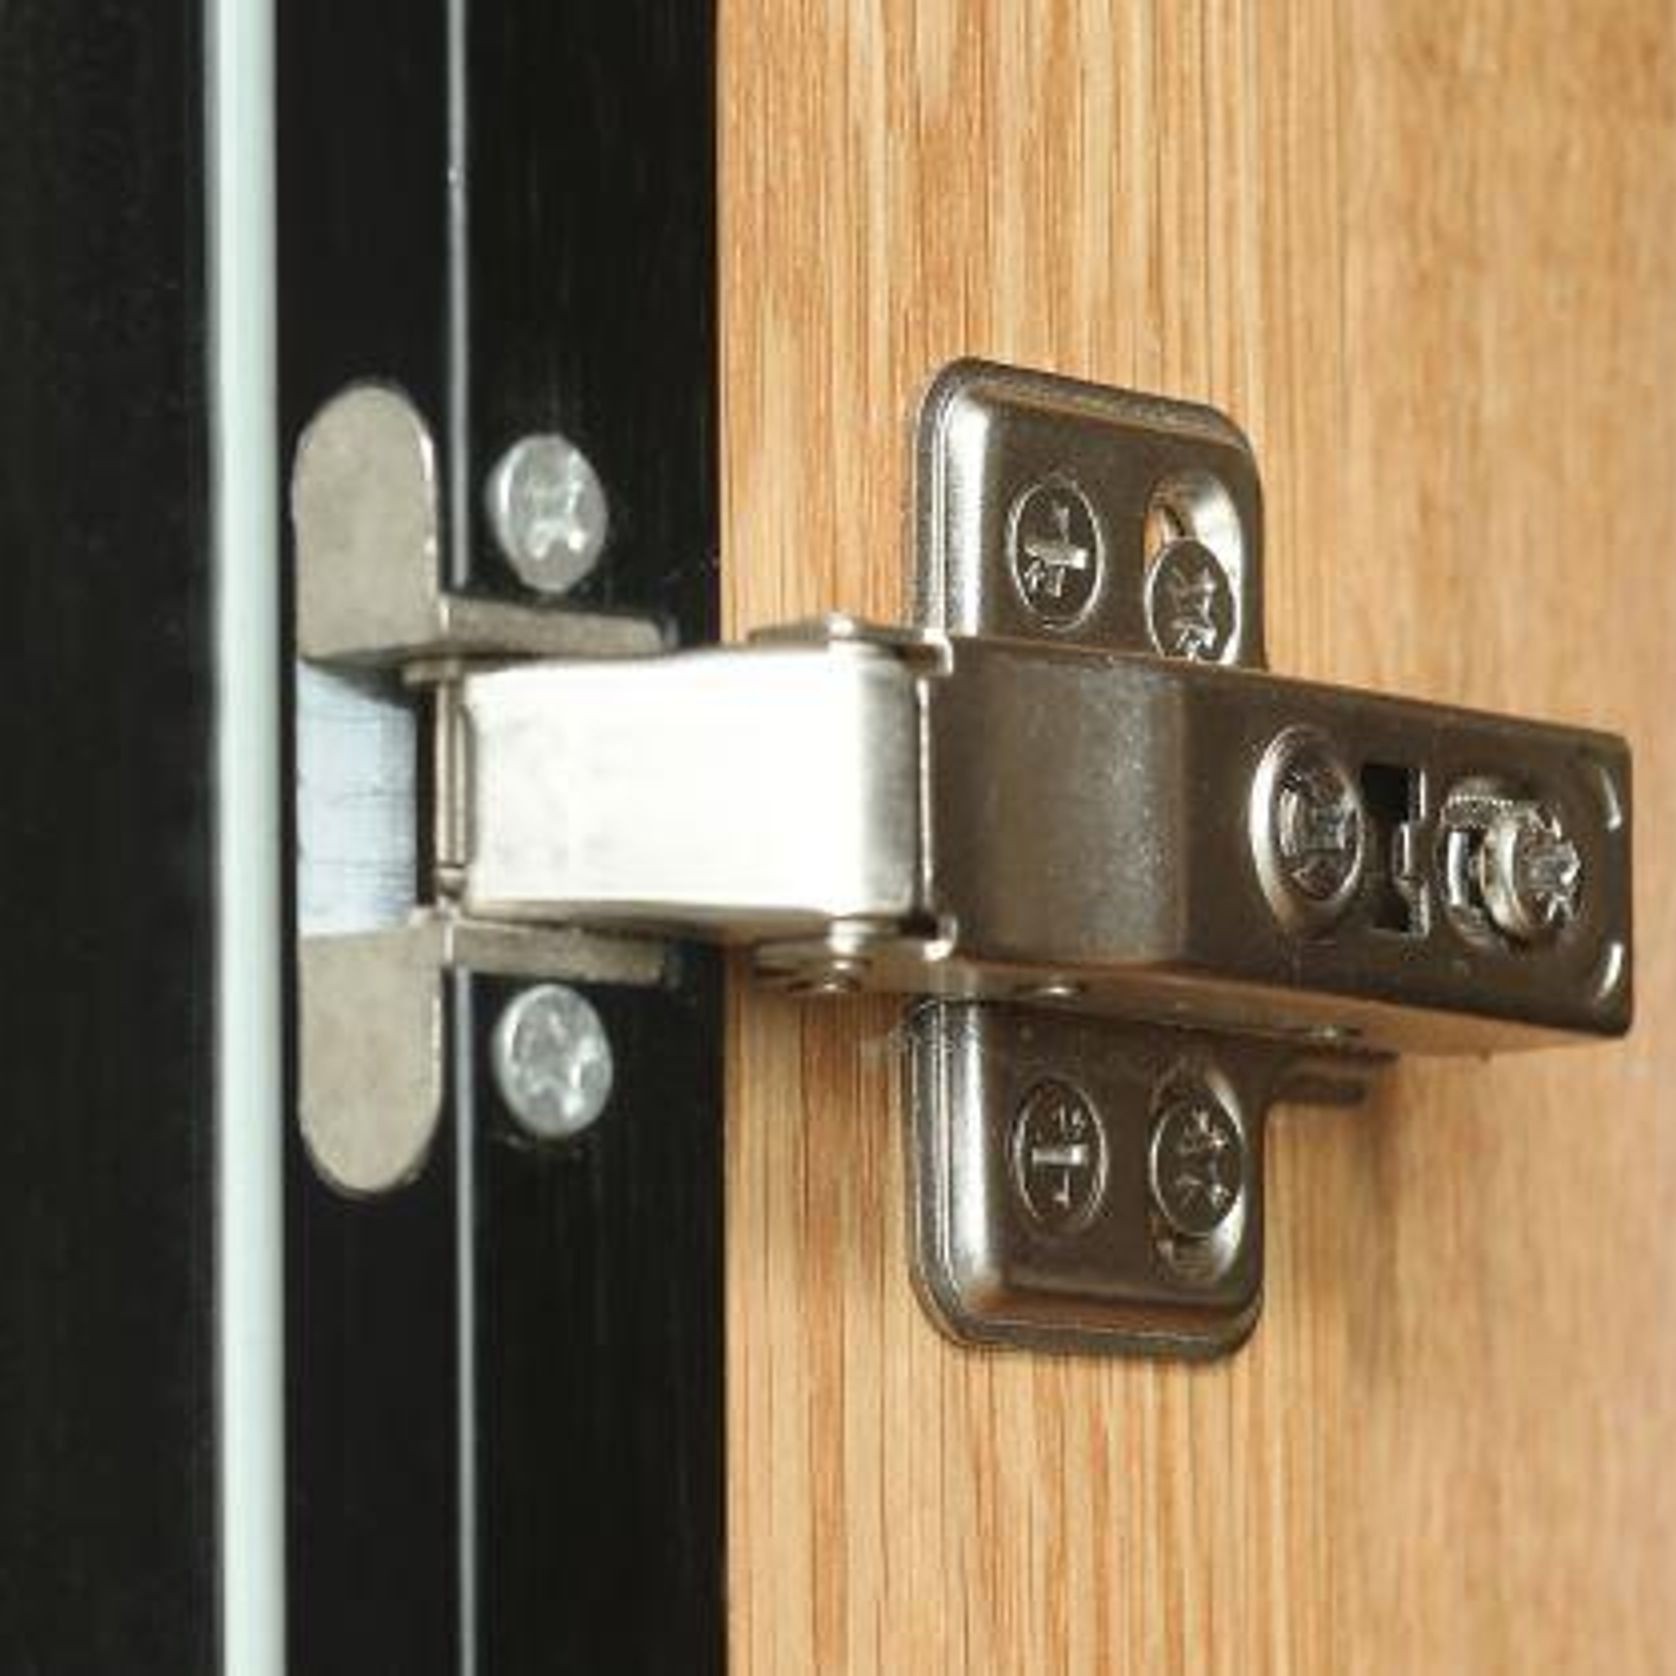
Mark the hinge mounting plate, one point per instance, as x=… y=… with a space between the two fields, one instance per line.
x=1050 y=1207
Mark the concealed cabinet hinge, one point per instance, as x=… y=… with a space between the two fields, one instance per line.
x=1145 y=887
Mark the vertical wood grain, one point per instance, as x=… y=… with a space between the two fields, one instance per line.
x=1425 y=252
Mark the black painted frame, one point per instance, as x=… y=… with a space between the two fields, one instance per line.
x=537 y=1484
x=108 y=1503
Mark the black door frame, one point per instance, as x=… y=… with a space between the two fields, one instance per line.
x=506 y=1435
x=503 y=1383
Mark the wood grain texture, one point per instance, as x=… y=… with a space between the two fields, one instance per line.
x=1426 y=253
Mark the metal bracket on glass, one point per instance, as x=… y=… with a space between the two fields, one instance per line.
x=1141 y=888
x=380 y=640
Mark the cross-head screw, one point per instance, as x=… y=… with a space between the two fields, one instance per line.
x=548 y=511
x=552 y=1061
x=1198 y=1160
x=1530 y=873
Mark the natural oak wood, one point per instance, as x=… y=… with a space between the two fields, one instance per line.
x=1426 y=253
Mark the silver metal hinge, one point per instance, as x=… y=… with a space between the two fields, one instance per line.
x=1139 y=888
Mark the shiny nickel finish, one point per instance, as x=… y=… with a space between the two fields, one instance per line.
x=1060 y=1157
x=1510 y=871
x=1530 y=874
x=365 y=509
x=548 y=510
x=1190 y=607
x=1169 y=1258
x=1056 y=551
x=1152 y=887
x=1278 y=841
x=1094 y=1274
x=371 y=608
x=1048 y=504
x=552 y=1061
x=1197 y=1160
x=1308 y=829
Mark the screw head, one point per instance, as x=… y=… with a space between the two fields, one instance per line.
x=838 y=975
x=1197 y=1164
x=1190 y=610
x=552 y=1061
x=1530 y=873
x=1055 y=552
x=548 y=511
x=1308 y=829
x=1059 y=1157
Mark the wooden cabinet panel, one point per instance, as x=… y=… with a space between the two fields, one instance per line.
x=1424 y=253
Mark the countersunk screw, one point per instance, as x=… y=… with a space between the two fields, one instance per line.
x=1190 y=610
x=840 y=975
x=1198 y=1161
x=1055 y=551
x=1308 y=829
x=1059 y=1157
x=1529 y=873
x=548 y=511
x=552 y=1061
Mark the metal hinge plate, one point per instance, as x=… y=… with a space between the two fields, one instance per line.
x=1086 y=1184
x=1147 y=887
x=1096 y=1184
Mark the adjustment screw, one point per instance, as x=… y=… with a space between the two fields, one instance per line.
x=552 y=1061
x=1308 y=830
x=548 y=511
x=1529 y=873
x=1197 y=1164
